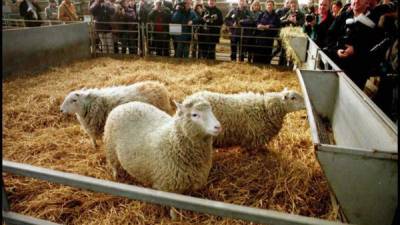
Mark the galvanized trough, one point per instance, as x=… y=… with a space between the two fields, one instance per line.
x=356 y=146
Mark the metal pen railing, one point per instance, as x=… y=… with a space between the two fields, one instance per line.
x=143 y=39
x=152 y=196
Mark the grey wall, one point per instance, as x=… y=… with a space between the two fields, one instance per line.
x=37 y=48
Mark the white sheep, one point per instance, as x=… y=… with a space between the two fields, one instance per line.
x=250 y=120
x=171 y=154
x=92 y=106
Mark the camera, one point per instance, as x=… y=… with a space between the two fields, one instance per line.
x=310 y=17
x=210 y=18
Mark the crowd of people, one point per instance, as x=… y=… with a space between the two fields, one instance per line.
x=64 y=11
x=360 y=36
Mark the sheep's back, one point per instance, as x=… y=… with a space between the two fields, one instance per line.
x=244 y=118
x=130 y=130
x=151 y=92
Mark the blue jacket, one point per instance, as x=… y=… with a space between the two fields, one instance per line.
x=183 y=17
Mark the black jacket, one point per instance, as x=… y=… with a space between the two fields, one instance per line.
x=210 y=31
x=241 y=17
x=23 y=11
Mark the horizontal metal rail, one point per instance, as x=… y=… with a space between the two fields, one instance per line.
x=16 y=218
x=164 y=198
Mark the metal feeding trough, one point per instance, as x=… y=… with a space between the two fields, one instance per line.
x=356 y=146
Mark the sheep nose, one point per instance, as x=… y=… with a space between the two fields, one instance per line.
x=218 y=128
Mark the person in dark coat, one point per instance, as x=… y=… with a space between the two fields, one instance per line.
x=160 y=16
x=236 y=19
x=130 y=37
x=30 y=11
x=209 y=33
x=318 y=25
x=267 y=24
x=168 y=5
x=102 y=11
x=282 y=11
x=255 y=12
x=186 y=17
x=199 y=10
x=294 y=16
x=354 y=49
x=142 y=9
x=336 y=8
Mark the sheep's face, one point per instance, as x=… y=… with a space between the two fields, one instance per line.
x=294 y=101
x=71 y=103
x=201 y=117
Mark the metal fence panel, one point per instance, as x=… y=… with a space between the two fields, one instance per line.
x=11 y=218
x=163 y=198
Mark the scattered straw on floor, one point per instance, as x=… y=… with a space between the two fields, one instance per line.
x=285 y=178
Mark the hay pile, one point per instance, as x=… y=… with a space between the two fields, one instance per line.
x=287 y=33
x=286 y=178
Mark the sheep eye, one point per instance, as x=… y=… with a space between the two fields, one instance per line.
x=293 y=98
x=74 y=100
x=195 y=115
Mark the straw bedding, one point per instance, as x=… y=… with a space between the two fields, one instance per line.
x=285 y=178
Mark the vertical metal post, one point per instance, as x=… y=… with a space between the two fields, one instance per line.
x=92 y=37
x=191 y=40
x=316 y=59
x=240 y=42
x=145 y=32
x=139 y=39
x=4 y=200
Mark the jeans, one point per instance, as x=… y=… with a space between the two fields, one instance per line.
x=107 y=44
x=182 y=50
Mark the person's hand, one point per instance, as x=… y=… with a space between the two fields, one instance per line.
x=262 y=27
x=345 y=53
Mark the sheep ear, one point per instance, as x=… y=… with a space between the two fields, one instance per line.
x=179 y=106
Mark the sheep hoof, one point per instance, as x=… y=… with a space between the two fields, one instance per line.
x=172 y=214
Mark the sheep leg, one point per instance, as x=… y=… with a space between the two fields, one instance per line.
x=112 y=161
x=94 y=144
x=172 y=214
